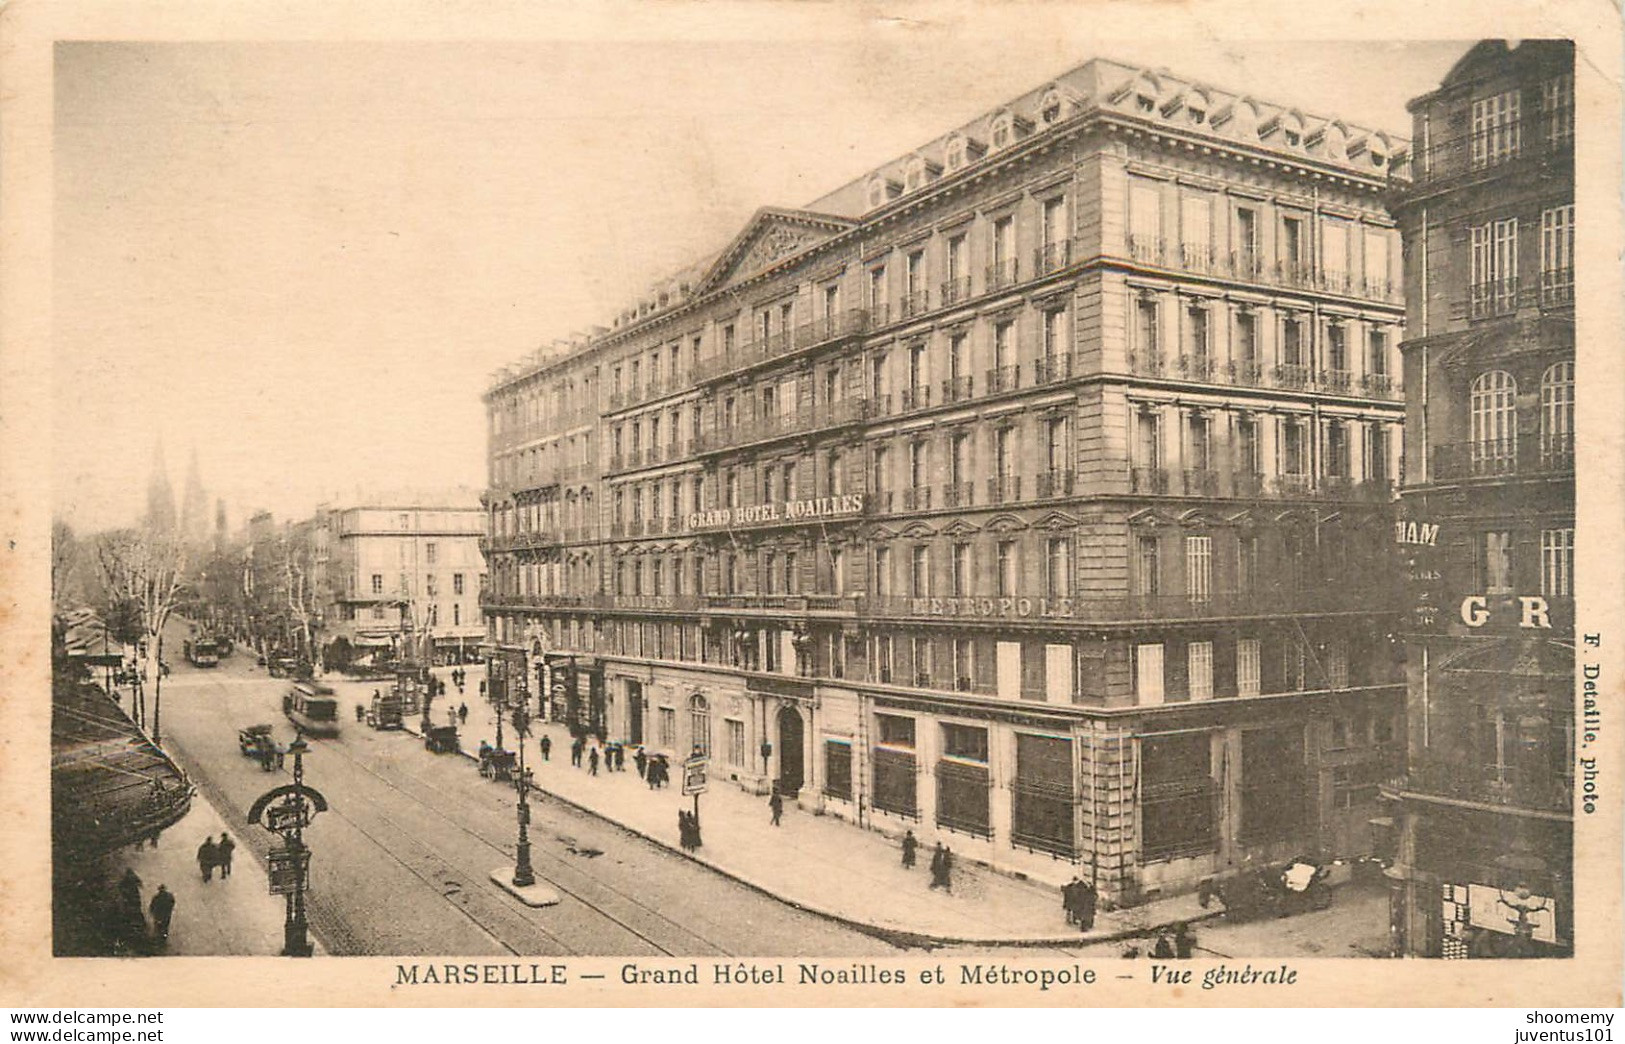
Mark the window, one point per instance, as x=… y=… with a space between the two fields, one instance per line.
x=1294 y=449
x=1377 y=264
x=1337 y=663
x=964 y=663
x=736 y=742
x=1557 y=414
x=1246 y=563
x=377 y=583
x=1495 y=129
x=914 y=273
x=457 y=583
x=1004 y=242
x=882 y=571
x=1007 y=568
x=958 y=450
x=1495 y=563
x=1248 y=658
x=1148 y=438
x=1376 y=357
x=1148 y=580
x=456 y=615
x=1334 y=252
x=1292 y=244
x=1199 y=340
x=1199 y=660
x=1179 y=795
x=1196 y=229
x=1002 y=356
x=1376 y=453
x=1494 y=421
x=1055 y=338
x=838 y=769
x=1054 y=226
x=962 y=780
x=1148 y=674
x=1058 y=575
x=1198 y=443
x=1058 y=444
x=1557 y=109
x=1557 y=562
x=668 y=727
x=1557 y=254
x=877 y=378
x=877 y=470
x=1145 y=219
x=1494 y=284
x=1004 y=453
x=1337 y=352
x=920 y=572
x=1246 y=347
x=1247 y=239
x=1146 y=335
x=920 y=654
x=1291 y=342
x=1199 y=568
x=429 y=550
x=877 y=290
x=699 y=723
x=961 y=579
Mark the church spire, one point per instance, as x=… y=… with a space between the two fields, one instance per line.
x=160 y=494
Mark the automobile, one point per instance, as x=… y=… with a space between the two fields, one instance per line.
x=284 y=667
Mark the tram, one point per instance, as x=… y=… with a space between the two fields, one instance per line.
x=202 y=652
x=312 y=708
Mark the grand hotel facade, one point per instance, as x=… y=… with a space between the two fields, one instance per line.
x=1033 y=492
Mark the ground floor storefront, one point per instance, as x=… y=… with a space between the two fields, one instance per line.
x=1140 y=801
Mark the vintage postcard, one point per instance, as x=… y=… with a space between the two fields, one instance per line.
x=765 y=504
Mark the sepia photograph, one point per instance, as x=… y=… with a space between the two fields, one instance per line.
x=776 y=499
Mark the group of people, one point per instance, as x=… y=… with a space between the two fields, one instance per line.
x=215 y=855
x=612 y=756
x=1079 y=899
x=942 y=861
x=688 y=830
x=132 y=921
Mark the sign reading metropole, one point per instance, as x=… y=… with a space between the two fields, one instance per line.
x=809 y=510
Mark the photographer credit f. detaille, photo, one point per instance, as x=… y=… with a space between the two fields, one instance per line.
x=1072 y=506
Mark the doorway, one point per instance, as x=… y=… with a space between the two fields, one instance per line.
x=634 y=713
x=791 y=748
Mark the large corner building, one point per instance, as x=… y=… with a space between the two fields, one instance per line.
x=1485 y=861
x=1033 y=492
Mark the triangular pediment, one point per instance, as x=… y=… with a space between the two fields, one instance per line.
x=883 y=532
x=1056 y=520
x=771 y=234
x=958 y=528
x=1150 y=517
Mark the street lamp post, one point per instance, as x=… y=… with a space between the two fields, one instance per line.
x=523 y=875
x=295 y=928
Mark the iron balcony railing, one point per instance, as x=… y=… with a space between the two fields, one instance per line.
x=1037 y=605
x=1539 y=454
x=1002 y=274
x=957 y=389
x=955 y=291
x=1052 y=369
x=1003 y=379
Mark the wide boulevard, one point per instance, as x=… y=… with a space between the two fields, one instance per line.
x=402 y=859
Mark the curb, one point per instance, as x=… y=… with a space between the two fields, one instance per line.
x=900 y=937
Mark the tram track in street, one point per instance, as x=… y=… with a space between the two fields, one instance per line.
x=549 y=867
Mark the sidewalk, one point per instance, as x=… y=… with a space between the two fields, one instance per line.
x=821 y=864
x=235 y=916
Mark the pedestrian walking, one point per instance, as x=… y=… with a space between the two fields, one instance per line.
x=775 y=805
x=1184 y=941
x=223 y=850
x=1164 y=950
x=911 y=845
x=938 y=857
x=641 y=760
x=129 y=890
x=592 y=762
x=575 y=752
x=547 y=747
x=1085 y=900
x=207 y=857
x=462 y=713
x=162 y=909
x=620 y=757
x=947 y=870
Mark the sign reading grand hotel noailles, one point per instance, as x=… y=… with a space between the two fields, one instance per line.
x=810 y=510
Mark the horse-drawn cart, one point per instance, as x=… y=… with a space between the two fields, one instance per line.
x=256 y=742
x=497 y=764
x=441 y=739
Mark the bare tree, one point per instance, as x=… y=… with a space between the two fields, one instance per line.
x=145 y=571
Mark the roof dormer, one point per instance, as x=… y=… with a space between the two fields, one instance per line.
x=919 y=172
x=961 y=152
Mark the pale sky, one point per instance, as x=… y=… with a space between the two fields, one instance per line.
x=305 y=259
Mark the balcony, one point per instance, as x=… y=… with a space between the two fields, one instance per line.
x=1527 y=455
x=1504 y=786
x=1149 y=480
x=1557 y=288
x=957 y=389
x=1294 y=376
x=1002 y=275
x=1201 y=482
x=915 y=398
x=958 y=494
x=913 y=304
x=1053 y=257
x=1492 y=298
x=1039 y=605
x=1052 y=369
x=1058 y=483
x=1146 y=364
x=1247 y=266
x=1196 y=367
x=1005 y=490
x=1003 y=379
x=1377 y=385
x=955 y=291
x=1197 y=257
x=1151 y=250
x=917 y=499
x=1543 y=138
x=1339 y=382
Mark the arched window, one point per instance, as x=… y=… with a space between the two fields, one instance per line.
x=1002 y=130
x=1492 y=405
x=1049 y=110
x=699 y=723
x=877 y=192
x=914 y=174
x=955 y=153
x=1557 y=414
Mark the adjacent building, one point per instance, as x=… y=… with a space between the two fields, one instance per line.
x=1034 y=492
x=400 y=573
x=1485 y=860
